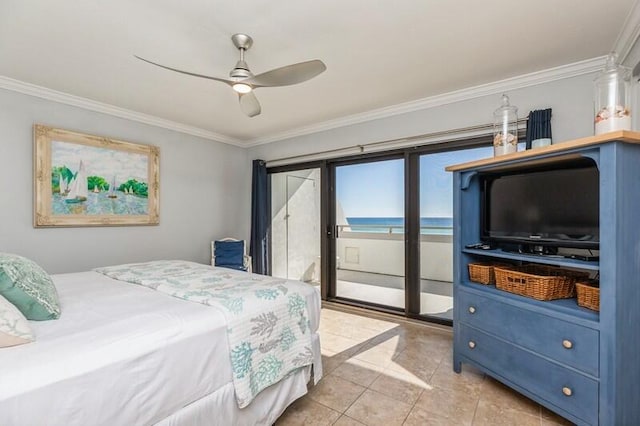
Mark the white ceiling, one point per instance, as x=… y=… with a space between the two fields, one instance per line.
x=378 y=53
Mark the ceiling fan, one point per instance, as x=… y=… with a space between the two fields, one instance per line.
x=244 y=82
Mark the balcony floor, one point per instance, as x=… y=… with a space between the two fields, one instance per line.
x=436 y=297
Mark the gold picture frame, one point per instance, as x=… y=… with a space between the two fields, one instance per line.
x=86 y=180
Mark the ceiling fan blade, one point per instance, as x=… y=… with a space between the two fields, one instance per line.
x=288 y=75
x=229 y=82
x=249 y=104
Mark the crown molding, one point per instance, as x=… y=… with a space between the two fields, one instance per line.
x=539 y=77
x=91 y=105
x=513 y=83
x=629 y=33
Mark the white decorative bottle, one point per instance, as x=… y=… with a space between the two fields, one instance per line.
x=505 y=128
x=612 y=97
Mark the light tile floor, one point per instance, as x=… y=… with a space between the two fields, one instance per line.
x=379 y=370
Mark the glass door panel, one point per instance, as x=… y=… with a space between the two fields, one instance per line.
x=295 y=225
x=436 y=226
x=370 y=232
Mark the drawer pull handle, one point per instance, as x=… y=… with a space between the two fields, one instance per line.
x=568 y=344
x=472 y=344
x=472 y=310
x=567 y=391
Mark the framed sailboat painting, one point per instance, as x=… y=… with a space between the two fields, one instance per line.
x=86 y=180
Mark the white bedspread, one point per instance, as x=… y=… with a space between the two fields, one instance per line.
x=267 y=318
x=120 y=354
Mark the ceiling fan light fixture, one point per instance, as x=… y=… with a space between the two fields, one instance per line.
x=242 y=88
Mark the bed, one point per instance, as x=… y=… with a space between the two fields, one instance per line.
x=125 y=354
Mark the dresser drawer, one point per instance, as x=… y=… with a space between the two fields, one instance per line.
x=566 y=342
x=567 y=389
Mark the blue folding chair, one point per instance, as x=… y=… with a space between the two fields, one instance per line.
x=230 y=253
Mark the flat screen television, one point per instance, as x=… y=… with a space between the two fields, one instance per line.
x=545 y=207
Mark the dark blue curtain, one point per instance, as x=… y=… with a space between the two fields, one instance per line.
x=260 y=219
x=538 y=126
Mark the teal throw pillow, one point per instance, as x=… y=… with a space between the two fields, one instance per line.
x=28 y=287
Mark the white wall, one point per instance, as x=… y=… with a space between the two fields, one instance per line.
x=204 y=192
x=295 y=225
x=571 y=100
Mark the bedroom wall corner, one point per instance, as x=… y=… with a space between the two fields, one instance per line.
x=203 y=192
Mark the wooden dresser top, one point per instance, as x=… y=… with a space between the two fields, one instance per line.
x=619 y=136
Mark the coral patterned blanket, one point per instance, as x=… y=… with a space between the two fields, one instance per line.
x=268 y=324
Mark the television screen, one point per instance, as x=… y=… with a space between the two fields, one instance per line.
x=558 y=207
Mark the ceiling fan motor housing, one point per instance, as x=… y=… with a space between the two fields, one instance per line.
x=241 y=70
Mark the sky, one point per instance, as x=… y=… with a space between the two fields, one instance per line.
x=377 y=189
x=100 y=161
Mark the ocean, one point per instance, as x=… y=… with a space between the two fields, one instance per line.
x=428 y=225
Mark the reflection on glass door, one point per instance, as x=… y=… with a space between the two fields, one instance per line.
x=370 y=232
x=436 y=226
x=295 y=222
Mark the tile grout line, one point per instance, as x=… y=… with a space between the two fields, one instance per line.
x=325 y=406
x=354 y=401
x=414 y=404
x=475 y=411
x=430 y=378
x=421 y=393
x=412 y=407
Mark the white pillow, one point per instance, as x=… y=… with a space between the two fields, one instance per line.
x=14 y=327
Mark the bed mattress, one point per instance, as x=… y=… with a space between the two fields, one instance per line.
x=123 y=354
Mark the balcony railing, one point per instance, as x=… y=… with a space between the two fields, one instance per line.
x=391 y=229
x=380 y=249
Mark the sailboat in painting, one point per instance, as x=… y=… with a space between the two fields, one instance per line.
x=112 y=189
x=62 y=184
x=78 y=188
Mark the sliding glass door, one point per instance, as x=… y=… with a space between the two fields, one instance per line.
x=436 y=226
x=390 y=229
x=369 y=230
x=373 y=230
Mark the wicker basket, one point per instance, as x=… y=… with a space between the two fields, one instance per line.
x=589 y=294
x=540 y=282
x=483 y=273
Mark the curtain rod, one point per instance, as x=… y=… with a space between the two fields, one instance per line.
x=404 y=142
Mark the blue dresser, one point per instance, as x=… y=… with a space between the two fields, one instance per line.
x=582 y=364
